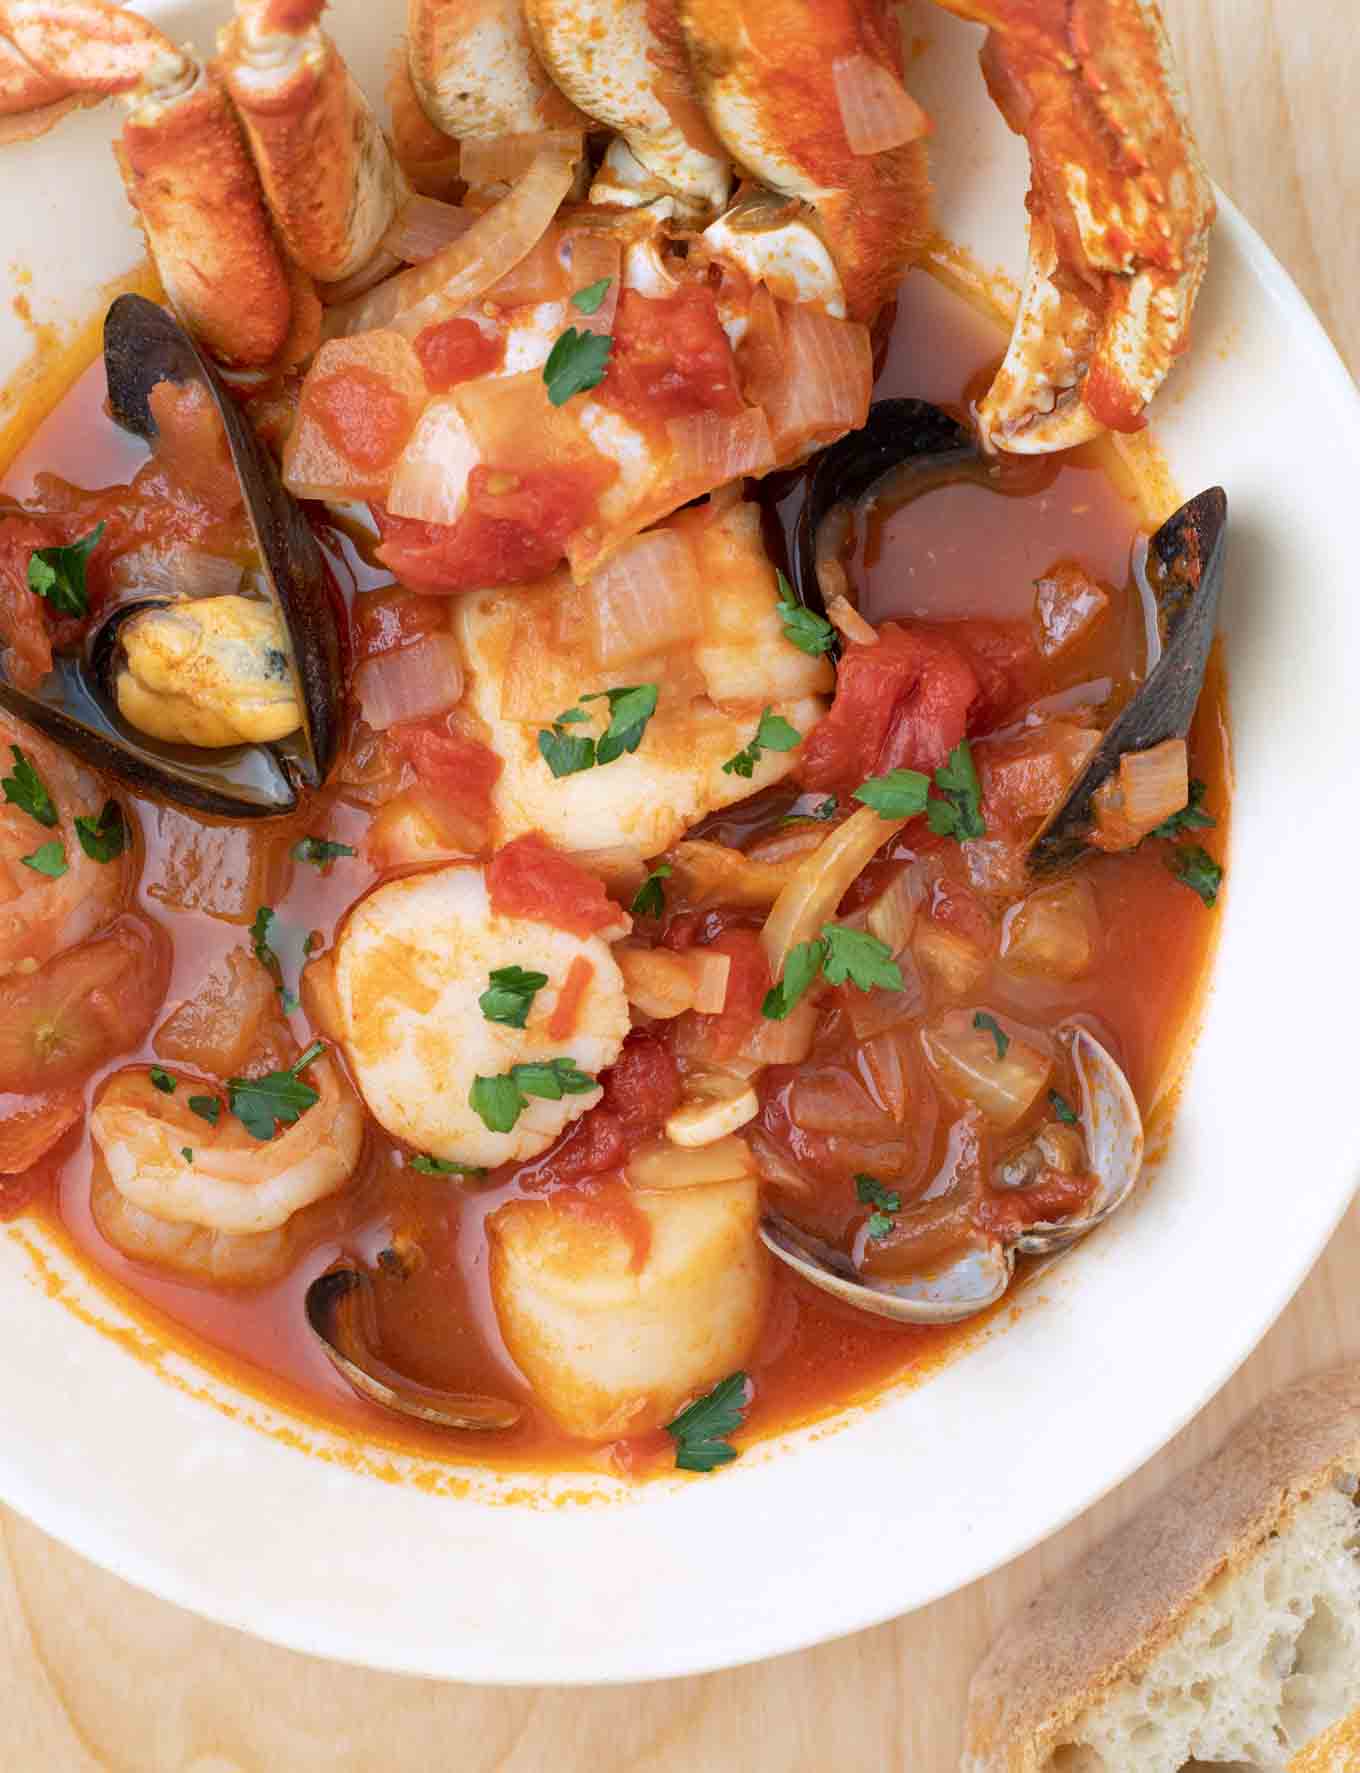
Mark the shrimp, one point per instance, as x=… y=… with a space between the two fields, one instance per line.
x=410 y=967
x=41 y=914
x=213 y=1200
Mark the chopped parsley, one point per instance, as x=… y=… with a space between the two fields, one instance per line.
x=320 y=851
x=441 y=1166
x=48 y=859
x=700 y=1431
x=630 y=709
x=103 y=839
x=1192 y=866
x=885 y=1201
x=825 y=809
x=840 y=954
x=773 y=734
x=162 y=1080
x=1191 y=817
x=207 y=1108
x=1063 y=1109
x=263 y=1104
x=650 y=898
x=899 y=794
x=591 y=299
x=510 y=995
x=809 y=632
x=27 y=790
x=187 y=1153
x=800 y=968
x=986 y=1024
x=262 y=924
x=501 y=1100
x=58 y=574
x=959 y=813
x=576 y=364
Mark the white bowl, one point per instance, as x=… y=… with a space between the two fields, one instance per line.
x=142 y=1466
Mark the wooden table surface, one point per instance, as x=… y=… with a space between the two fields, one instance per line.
x=94 y=1674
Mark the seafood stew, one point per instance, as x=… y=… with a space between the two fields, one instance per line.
x=654 y=1022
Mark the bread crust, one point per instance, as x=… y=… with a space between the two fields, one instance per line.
x=1126 y=1599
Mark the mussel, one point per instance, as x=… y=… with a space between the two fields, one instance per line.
x=981 y=1271
x=341 y=1314
x=76 y=706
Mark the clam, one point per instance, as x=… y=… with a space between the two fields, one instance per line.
x=979 y=1272
x=78 y=703
x=341 y=1314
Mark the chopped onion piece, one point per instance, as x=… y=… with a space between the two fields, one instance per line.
x=620 y=867
x=871 y=1012
x=660 y=1164
x=827 y=385
x=657 y=981
x=508 y=157
x=1150 y=787
x=358 y=283
x=1003 y=1087
x=595 y=258
x=710 y=873
x=465 y=269
x=830 y=1099
x=778 y=1043
x=952 y=964
x=431 y=479
x=712 y=448
x=176 y=571
x=646 y=599
x=892 y=915
x=411 y=683
x=887 y=1063
x=1067 y=604
x=1052 y=934
x=418 y=827
x=843 y=615
x=710 y=973
x=775 y=1168
x=877 y=111
x=821 y=881
x=423 y=227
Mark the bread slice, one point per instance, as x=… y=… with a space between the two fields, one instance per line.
x=1219 y=1626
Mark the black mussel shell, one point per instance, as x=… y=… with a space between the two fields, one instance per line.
x=898 y=432
x=143 y=346
x=1184 y=575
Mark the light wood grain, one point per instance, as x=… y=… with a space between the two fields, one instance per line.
x=94 y=1675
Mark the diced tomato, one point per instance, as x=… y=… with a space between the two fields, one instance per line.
x=1005 y=662
x=720 y=1037
x=1051 y=1197
x=515 y=529
x=385 y=620
x=671 y=357
x=455 y=351
x=594 y=1145
x=957 y=907
x=361 y=415
x=643 y=1085
x=567 y=1009
x=529 y=878
x=31 y=1125
x=448 y=764
x=902 y=704
x=24 y=635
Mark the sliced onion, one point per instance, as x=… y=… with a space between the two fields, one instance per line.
x=876 y=109
x=358 y=283
x=892 y=915
x=595 y=258
x=646 y=599
x=495 y=243
x=710 y=973
x=418 y=827
x=1150 y=787
x=173 y=572
x=829 y=373
x=953 y=964
x=431 y=479
x=843 y=615
x=657 y=981
x=712 y=448
x=508 y=157
x=411 y=683
x=821 y=881
x=829 y=1099
x=712 y=873
x=775 y=1168
x=423 y=227
x=1068 y=602
x=1052 y=933
x=1003 y=1086
x=659 y=1164
x=779 y=1043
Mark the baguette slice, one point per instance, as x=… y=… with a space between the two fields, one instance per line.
x=1220 y=1625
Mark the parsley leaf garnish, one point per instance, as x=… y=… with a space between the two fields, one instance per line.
x=576 y=364
x=590 y=299
x=1191 y=817
x=630 y=708
x=48 y=859
x=700 y=1431
x=959 y=813
x=501 y=1100
x=650 y=898
x=800 y=968
x=1063 y=1109
x=986 y=1024
x=859 y=957
x=773 y=734
x=809 y=632
x=320 y=851
x=441 y=1166
x=187 y=1153
x=886 y=1201
x=259 y=938
x=103 y=839
x=162 y=1080
x=207 y=1108
x=563 y=752
x=58 y=574
x=1192 y=866
x=899 y=794
x=510 y=995
x=27 y=790
x=263 y=1104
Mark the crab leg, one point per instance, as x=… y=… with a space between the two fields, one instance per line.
x=1121 y=209
x=624 y=63
x=764 y=74
x=186 y=167
x=328 y=173
x=476 y=74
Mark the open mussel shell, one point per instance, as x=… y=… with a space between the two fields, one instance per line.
x=975 y=1280
x=1183 y=576
x=901 y=438
x=341 y=1314
x=1112 y=1127
x=143 y=346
